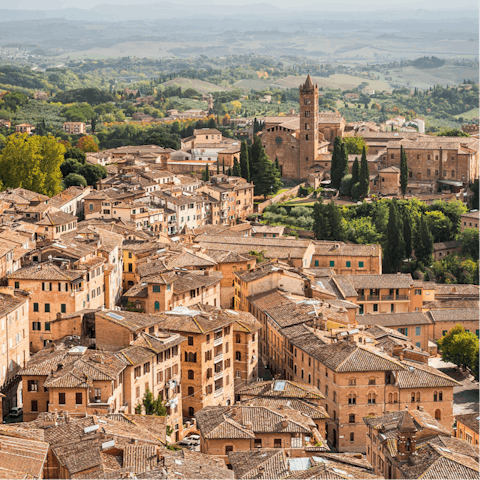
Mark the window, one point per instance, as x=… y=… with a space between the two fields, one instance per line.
x=190 y=391
x=47 y=326
x=138 y=372
x=418 y=344
x=332 y=263
x=137 y=392
x=156 y=288
x=372 y=381
x=47 y=308
x=349 y=264
x=36 y=326
x=352 y=437
x=61 y=399
x=98 y=393
x=146 y=368
x=257 y=443
x=418 y=291
x=316 y=263
x=438 y=415
x=191 y=375
x=352 y=399
x=17 y=284
x=418 y=331
x=228 y=448
x=375 y=307
x=360 y=264
x=35 y=307
x=34 y=406
x=191 y=411
x=190 y=340
x=78 y=398
x=352 y=381
x=371 y=398
x=156 y=306
x=238 y=356
x=32 y=385
x=403 y=331
x=351 y=418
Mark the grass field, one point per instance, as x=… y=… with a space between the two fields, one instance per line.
x=469 y=114
x=344 y=82
x=198 y=85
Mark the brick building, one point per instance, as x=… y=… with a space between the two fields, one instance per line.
x=74 y=128
x=467 y=427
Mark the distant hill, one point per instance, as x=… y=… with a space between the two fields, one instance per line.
x=199 y=85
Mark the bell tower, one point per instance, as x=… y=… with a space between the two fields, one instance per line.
x=308 y=127
x=406 y=439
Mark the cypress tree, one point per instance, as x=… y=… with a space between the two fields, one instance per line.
x=407 y=233
x=223 y=166
x=277 y=165
x=343 y=160
x=335 y=170
x=237 y=169
x=403 y=170
x=319 y=221
x=364 y=175
x=355 y=177
x=229 y=172
x=244 y=161
x=395 y=247
x=423 y=243
x=267 y=179
x=218 y=167
x=335 y=227
x=255 y=155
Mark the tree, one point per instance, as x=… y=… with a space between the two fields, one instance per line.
x=254 y=155
x=244 y=161
x=319 y=220
x=364 y=175
x=459 y=347
x=335 y=170
x=70 y=165
x=355 y=145
x=153 y=406
x=87 y=144
x=267 y=178
x=440 y=226
x=75 y=153
x=453 y=132
x=475 y=198
x=93 y=173
x=33 y=163
x=207 y=173
x=355 y=177
x=394 y=251
x=74 y=180
x=237 y=169
x=469 y=239
x=218 y=167
x=407 y=233
x=403 y=170
x=223 y=166
x=423 y=243
x=335 y=228
x=93 y=123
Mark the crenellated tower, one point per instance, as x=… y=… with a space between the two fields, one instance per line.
x=308 y=127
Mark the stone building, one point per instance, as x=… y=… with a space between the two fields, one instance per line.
x=470 y=220
x=14 y=339
x=74 y=128
x=467 y=427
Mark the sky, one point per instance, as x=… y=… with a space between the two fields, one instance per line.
x=298 y=4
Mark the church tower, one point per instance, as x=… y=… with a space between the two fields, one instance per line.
x=406 y=439
x=308 y=127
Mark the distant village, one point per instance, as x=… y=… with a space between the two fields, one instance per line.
x=152 y=327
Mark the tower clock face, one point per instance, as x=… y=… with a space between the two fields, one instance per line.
x=278 y=140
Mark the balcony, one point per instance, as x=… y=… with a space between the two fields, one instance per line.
x=373 y=297
x=218 y=392
x=218 y=358
x=218 y=341
x=402 y=297
x=218 y=375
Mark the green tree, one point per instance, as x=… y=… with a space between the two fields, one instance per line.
x=475 y=197
x=267 y=178
x=469 y=239
x=336 y=230
x=93 y=123
x=319 y=219
x=440 y=226
x=364 y=175
x=74 y=180
x=237 y=169
x=423 y=243
x=244 y=161
x=459 y=347
x=355 y=177
x=336 y=173
x=153 y=406
x=76 y=153
x=254 y=155
x=32 y=163
x=355 y=145
x=403 y=170
x=407 y=233
x=70 y=165
x=93 y=173
x=394 y=251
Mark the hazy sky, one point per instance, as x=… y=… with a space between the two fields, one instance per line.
x=328 y=6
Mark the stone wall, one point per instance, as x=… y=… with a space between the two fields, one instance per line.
x=279 y=198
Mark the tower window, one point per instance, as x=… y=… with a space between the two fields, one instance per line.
x=307 y=113
x=306 y=101
x=306 y=137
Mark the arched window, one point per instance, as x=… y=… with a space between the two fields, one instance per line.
x=191 y=411
x=438 y=415
x=157 y=306
x=372 y=381
x=191 y=391
x=351 y=418
x=191 y=375
x=371 y=398
x=390 y=398
x=418 y=396
x=435 y=396
x=352 y=399
x=440 y=396
x=237 y=338
x=238 y=356
x=413 y=397
x=352 y=381
x=228 y=448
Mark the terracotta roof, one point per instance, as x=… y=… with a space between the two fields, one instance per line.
x=470 y=420
x=394 y=319
x=418 y=374
x=259 y=464
x=315 y=412
x=381 y=281
x=282 y=389
x=57 y=218
x=133 y=321
x=45 y=271
x=454 y=314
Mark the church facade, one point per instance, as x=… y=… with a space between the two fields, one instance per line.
x=299 y=141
